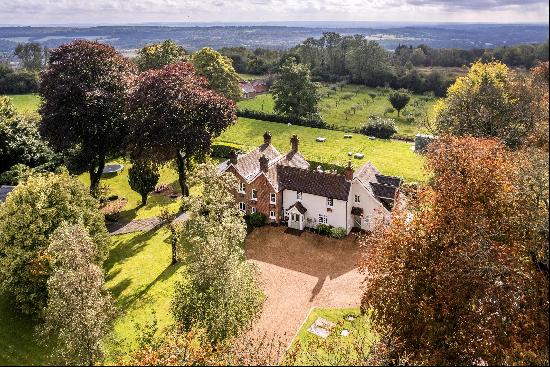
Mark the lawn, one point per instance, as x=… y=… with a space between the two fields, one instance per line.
x=141 y=280
x=27 y=103
x=118 y=185
x=343 y=350
x=337 y=107
x=391 y=157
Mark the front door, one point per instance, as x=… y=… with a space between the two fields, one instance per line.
x=356 y=221
x=295 y=221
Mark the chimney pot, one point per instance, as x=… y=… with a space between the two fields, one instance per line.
x=294 y=142
x=349 y=172
x=267 y=137
x=264 y=163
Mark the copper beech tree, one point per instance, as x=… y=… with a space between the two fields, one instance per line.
x=173 y=116
x=84 y=89
x=462 y=280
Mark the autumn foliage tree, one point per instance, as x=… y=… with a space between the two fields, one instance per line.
x=488 y=103
x=218 y=70
x=463 y=280
x=174 y=116
x=84 y=89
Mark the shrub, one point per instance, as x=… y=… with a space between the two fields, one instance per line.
x=256 y=219
x=15 y=174
x=380 y=127
x=338 y=232
x=323 y=229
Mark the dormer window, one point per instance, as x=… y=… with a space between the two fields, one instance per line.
x=330 y=202
x=241 y=188
x=254 y=194
x=299 y=195
x=272 y=198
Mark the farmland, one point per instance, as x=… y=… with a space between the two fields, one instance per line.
x=350 y=106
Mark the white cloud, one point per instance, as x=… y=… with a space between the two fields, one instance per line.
x=136 y=11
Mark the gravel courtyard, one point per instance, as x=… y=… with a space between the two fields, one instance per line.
x=300 y=271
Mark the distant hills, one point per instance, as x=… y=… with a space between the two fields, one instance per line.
x=280 y=35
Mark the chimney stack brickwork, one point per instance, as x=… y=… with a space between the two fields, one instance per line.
x=349 y=172
x=294 y=143
x=267 y=137
x=264 y=163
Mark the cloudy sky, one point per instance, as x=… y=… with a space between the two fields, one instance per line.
x=32 y=12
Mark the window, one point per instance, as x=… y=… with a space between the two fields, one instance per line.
x=241 y=188
x=272 y=198
x=357 y=199
x=272 y=214
x=330 y=202
x=254 y=194
x=285 y=214
x=242 y=206
x=323 y=219
x=296 y=217
x=366 y=220
x=299 y=195
x=253 y=210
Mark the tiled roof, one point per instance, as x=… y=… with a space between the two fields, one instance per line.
x=298 y=205
x=383 y=187
x=248 y=165
x=389 y=180
x=4 y=191
x=313 y=182
x=383 y=191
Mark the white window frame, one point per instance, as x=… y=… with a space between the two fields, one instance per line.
x=272 y=214
x=357 y=199
x=285 y=214
x=242 y=207
x=298 y=195
x=254 y=194
x=330 y=202
x=253 y=209
x=323 y=219
x=242 y=188
x=272 y=198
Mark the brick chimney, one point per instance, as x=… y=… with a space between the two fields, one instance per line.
x=349 y=172
x=263 y=163
x=267 y=138
x=294 y=143
x=233 y=157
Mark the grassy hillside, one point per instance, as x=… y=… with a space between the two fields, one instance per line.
x=351 y=106
x=390 y=157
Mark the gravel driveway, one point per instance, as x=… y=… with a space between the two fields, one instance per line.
x=301 y=271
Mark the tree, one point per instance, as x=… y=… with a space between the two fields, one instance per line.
x=369 y=63
x=453 y=281
x=399 y=99
x=482 y=104
x=32 y=55
x=157 y=55
x=220 y=293
x=143 y=177
x=84 y=89
x=79 y=310
x=28 y=217
x=219 y=72
x=294 y=92
x=20 y=142
x=174 y=116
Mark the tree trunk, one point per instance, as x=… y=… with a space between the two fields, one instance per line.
x=95 y=175
x=143 y=199
x=182 y=173
x=174 y=249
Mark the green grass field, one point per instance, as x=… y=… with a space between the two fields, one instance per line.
x=334 y=104
x=390 y=157
x=118 y=185
x=342 y=348
x=27 y=103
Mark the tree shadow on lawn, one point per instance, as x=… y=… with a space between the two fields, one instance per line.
x=309 y=253
x=127 y=301
x=127 y=249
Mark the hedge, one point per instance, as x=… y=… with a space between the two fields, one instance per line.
x=282 y=119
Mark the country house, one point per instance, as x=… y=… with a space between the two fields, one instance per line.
x=287 y=190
